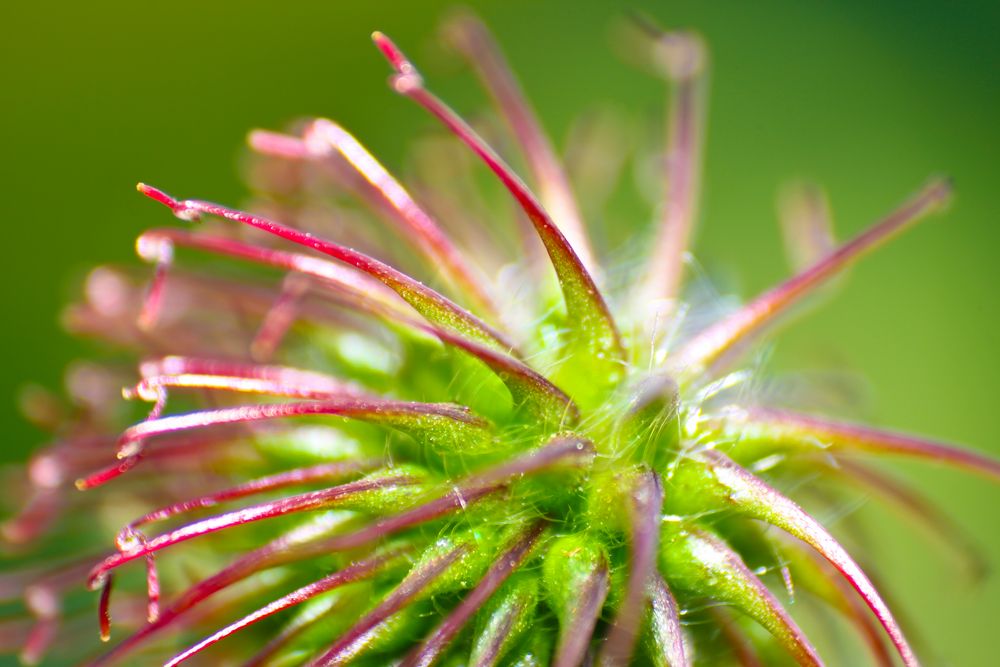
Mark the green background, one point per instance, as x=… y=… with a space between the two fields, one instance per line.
x=866 y=98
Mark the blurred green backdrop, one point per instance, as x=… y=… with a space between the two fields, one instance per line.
x=866 y=98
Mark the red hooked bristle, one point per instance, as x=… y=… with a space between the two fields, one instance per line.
x=309 y=542
x=278 y=551
x=304 y=502
x=105 y=475
x=329 y=273
x=393 y=54
x=326 y=472
x=526 y=385
x=588 y=313
x=432 y=305
x=104 y=608
x=159 y=195
x=397 y=414
x=172 y=450
x=152 y=588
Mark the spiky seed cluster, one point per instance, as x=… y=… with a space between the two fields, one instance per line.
x=482 y=478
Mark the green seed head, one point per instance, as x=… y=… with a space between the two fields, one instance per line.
x=346 y=462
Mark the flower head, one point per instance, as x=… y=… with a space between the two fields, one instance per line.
x=343 y=463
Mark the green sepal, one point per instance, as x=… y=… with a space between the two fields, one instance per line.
x=609 y=498
x=535 y=650
x=692 y=489
x=701 y=564
x=649 y=430
x=663 y=637
x=396 y=633
x=505 y=619
x=569 y=563
x=478 y=550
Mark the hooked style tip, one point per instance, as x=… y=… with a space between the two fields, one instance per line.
x=156 y=194
x=391 y=52
x=939 y=192
x=682 y=55
x=179 y=208
x=407 y=78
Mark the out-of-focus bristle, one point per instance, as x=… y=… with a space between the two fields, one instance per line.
x=920 y=509
x=474 y=40
x=706 y=348
x=280 y=318
x=806 y=224
x=683 y=60
x=785 y=428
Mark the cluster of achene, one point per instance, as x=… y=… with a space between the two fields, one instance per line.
x=538 y=469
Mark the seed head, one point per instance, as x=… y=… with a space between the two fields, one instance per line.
x=436 y=466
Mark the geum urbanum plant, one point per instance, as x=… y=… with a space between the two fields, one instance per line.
x=536 y=469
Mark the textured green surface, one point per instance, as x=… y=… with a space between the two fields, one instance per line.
x=868 y=100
